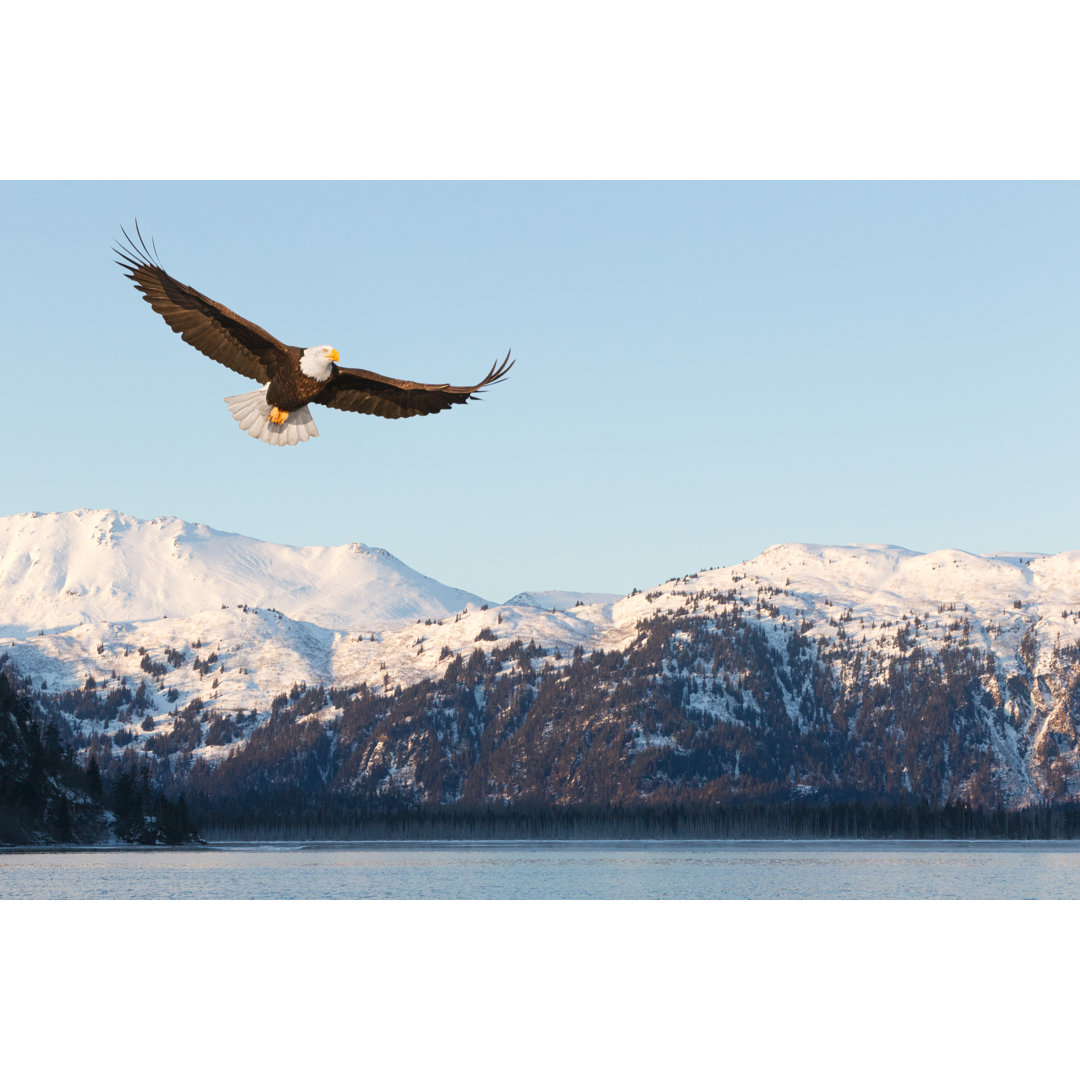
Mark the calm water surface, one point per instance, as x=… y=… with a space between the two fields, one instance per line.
x=602 y=870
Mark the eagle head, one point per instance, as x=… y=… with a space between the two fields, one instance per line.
x=317 y=361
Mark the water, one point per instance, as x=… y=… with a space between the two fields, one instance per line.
x=602 y=870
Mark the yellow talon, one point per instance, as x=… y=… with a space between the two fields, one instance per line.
x=277 y=416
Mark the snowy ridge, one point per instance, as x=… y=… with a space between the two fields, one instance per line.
x=342 y=617
x=1000 y=596
x=62 y=570
x=77 y=574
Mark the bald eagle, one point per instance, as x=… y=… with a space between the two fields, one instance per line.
x=292 y=378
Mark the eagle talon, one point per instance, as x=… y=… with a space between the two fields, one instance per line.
x=277 y=416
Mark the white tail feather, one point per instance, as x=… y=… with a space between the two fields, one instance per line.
x=252 y=413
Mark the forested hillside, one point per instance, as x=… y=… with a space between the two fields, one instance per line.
x=48 y=797
x=705 y=712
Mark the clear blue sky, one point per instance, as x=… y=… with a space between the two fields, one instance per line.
x=703 y=369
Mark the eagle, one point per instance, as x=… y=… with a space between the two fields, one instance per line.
x=291 y=378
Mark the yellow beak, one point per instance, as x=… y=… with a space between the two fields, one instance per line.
x=334 y=355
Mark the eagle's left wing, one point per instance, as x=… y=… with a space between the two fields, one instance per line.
x=209 y=326
x=356 y=390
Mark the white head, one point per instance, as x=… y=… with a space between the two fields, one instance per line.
x=316 y=361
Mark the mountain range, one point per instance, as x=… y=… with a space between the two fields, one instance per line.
x=808 y=671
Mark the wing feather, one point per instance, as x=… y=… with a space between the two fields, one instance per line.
x=356 y=390
x=203 y=323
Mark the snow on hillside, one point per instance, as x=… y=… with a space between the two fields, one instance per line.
x=61 y=570
x=261 y=652
x=869 y=591
x=258 y=653
x=246 y=620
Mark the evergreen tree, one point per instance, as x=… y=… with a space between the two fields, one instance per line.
x=93 y=779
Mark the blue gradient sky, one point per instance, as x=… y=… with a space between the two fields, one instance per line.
x=703 y=369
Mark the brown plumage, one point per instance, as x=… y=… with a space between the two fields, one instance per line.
x=293 y=377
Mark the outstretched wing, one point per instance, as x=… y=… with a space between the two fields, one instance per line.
x=209 y=326
x=355 y=390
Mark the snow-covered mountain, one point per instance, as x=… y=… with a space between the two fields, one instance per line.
x=72 y=582
x=208 y=624
x=868 y=589
x=58 y=571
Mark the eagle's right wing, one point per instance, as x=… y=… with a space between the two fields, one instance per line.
x=209 y=326
x=356 y=390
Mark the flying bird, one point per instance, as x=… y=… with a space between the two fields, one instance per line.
x=291 y=378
